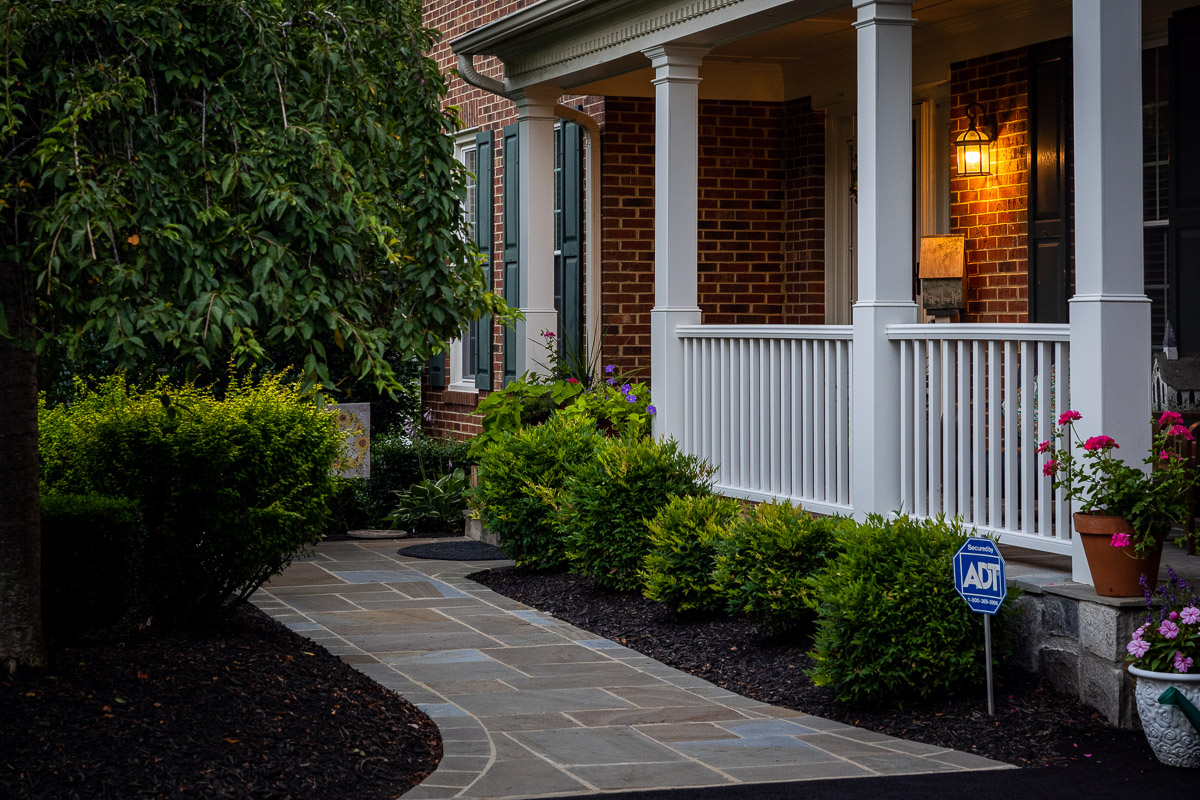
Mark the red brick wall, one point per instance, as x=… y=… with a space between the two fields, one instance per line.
x=804 y=213
x=761 y=219
x=991 y=210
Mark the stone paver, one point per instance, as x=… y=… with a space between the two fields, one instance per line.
x=529 y=705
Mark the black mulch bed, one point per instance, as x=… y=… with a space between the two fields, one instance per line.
x=247 y=711
x=469 y=550
x=1034 y=726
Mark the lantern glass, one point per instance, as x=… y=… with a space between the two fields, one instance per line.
x=974 y=147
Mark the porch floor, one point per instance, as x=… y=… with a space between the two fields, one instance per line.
x=529 y=705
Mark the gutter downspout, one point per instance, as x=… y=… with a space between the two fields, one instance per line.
x=466 y=69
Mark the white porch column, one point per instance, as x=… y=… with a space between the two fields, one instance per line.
x=535 y=117
x=884 y=249
x=676 y=168
x=1110 y=314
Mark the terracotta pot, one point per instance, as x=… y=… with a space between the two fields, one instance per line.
x=1172 y=736
x=1116 y=572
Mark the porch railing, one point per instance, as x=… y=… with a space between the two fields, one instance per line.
x=974 y=401
x=769 y=407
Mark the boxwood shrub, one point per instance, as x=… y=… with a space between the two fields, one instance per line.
x=684 y=537
x=764 y=566
x=229 y=490
x=607 y=501
x=890 y=626
x=91 y=545
x=521 y=476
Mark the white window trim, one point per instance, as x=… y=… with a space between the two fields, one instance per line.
x=463 y=142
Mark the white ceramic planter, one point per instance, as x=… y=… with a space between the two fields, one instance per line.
x=1171 y=735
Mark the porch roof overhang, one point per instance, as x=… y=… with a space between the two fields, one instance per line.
x=569 y=43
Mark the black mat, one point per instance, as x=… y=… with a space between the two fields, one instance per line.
x=469 y=550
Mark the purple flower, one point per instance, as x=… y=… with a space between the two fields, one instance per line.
x=651 y=410
x=1190 y=615
x=1168 y=629
x=610 y=369
x=611 y=381
x=631 y=398
x=1182 y=664
x=625 y=389
x=1137 y=648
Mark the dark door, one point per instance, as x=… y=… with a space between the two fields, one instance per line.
x=1049 y=214
x=1184 y=236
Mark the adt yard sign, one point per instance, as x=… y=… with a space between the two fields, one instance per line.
x=979 y=575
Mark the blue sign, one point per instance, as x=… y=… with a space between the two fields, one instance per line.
x=979 y=575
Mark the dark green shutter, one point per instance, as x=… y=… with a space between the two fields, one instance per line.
x=512 y=243
x=437 y=371
x=570 y=263
x=484 y=217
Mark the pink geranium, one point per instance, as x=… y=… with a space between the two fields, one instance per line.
x=1044 y=446
x=1170 y=418
x=1179 y=430
x=1121 y=540
x=1101 y=443
x=1067 y=417
x=1049 y=468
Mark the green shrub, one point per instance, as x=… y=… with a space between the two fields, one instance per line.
x=399 y=460
x=684 y=537
x=229 y=490
x=890 y=626
x=607 y=501
x=432 y=506
x=90 y=548
x=521 y=476
x=763 y=566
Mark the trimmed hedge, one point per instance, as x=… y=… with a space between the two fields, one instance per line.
x=91 y=545
x=229 y=490
x=890 y=626
x=607 y=501
x=763 y=566
x=684 y=539
x=521 y=478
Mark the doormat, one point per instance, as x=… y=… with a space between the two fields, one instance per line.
x=469 y=550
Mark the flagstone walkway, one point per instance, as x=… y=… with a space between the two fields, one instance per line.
x=529 y=705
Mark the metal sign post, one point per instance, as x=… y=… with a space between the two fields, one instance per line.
x=979 y=579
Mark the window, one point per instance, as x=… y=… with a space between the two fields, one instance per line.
x=464 y=351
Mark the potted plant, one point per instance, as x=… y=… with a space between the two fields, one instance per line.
x=1164 y=657
x=1124 y=513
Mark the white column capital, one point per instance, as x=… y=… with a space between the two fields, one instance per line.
x=536 y=102
x=884 y=12
x=676 y=61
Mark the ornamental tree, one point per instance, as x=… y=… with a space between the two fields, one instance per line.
x=213 y=178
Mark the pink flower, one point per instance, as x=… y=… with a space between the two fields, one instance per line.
x=1190 y=615
x=1067 y=417
x=1168 y=629
x=1050 y=467
x=1170 y=418
x=1179 y=430
x=1173 y=615
x=1182 y=664
x=1137 y=648
x=548 y=334
x=1120 y=540
x=572 y=380
x=1044 y=447
x=1163 y=455
x=1137 y=635
x=1101 y=443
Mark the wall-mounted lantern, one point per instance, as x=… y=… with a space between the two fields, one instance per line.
x=974 y=146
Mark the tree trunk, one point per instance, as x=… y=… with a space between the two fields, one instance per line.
x=21 y=642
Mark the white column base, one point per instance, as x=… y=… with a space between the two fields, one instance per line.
x=666 y=369
x=875 y=408
x=1110 y=380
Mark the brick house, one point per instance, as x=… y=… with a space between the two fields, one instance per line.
x=733 y=197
